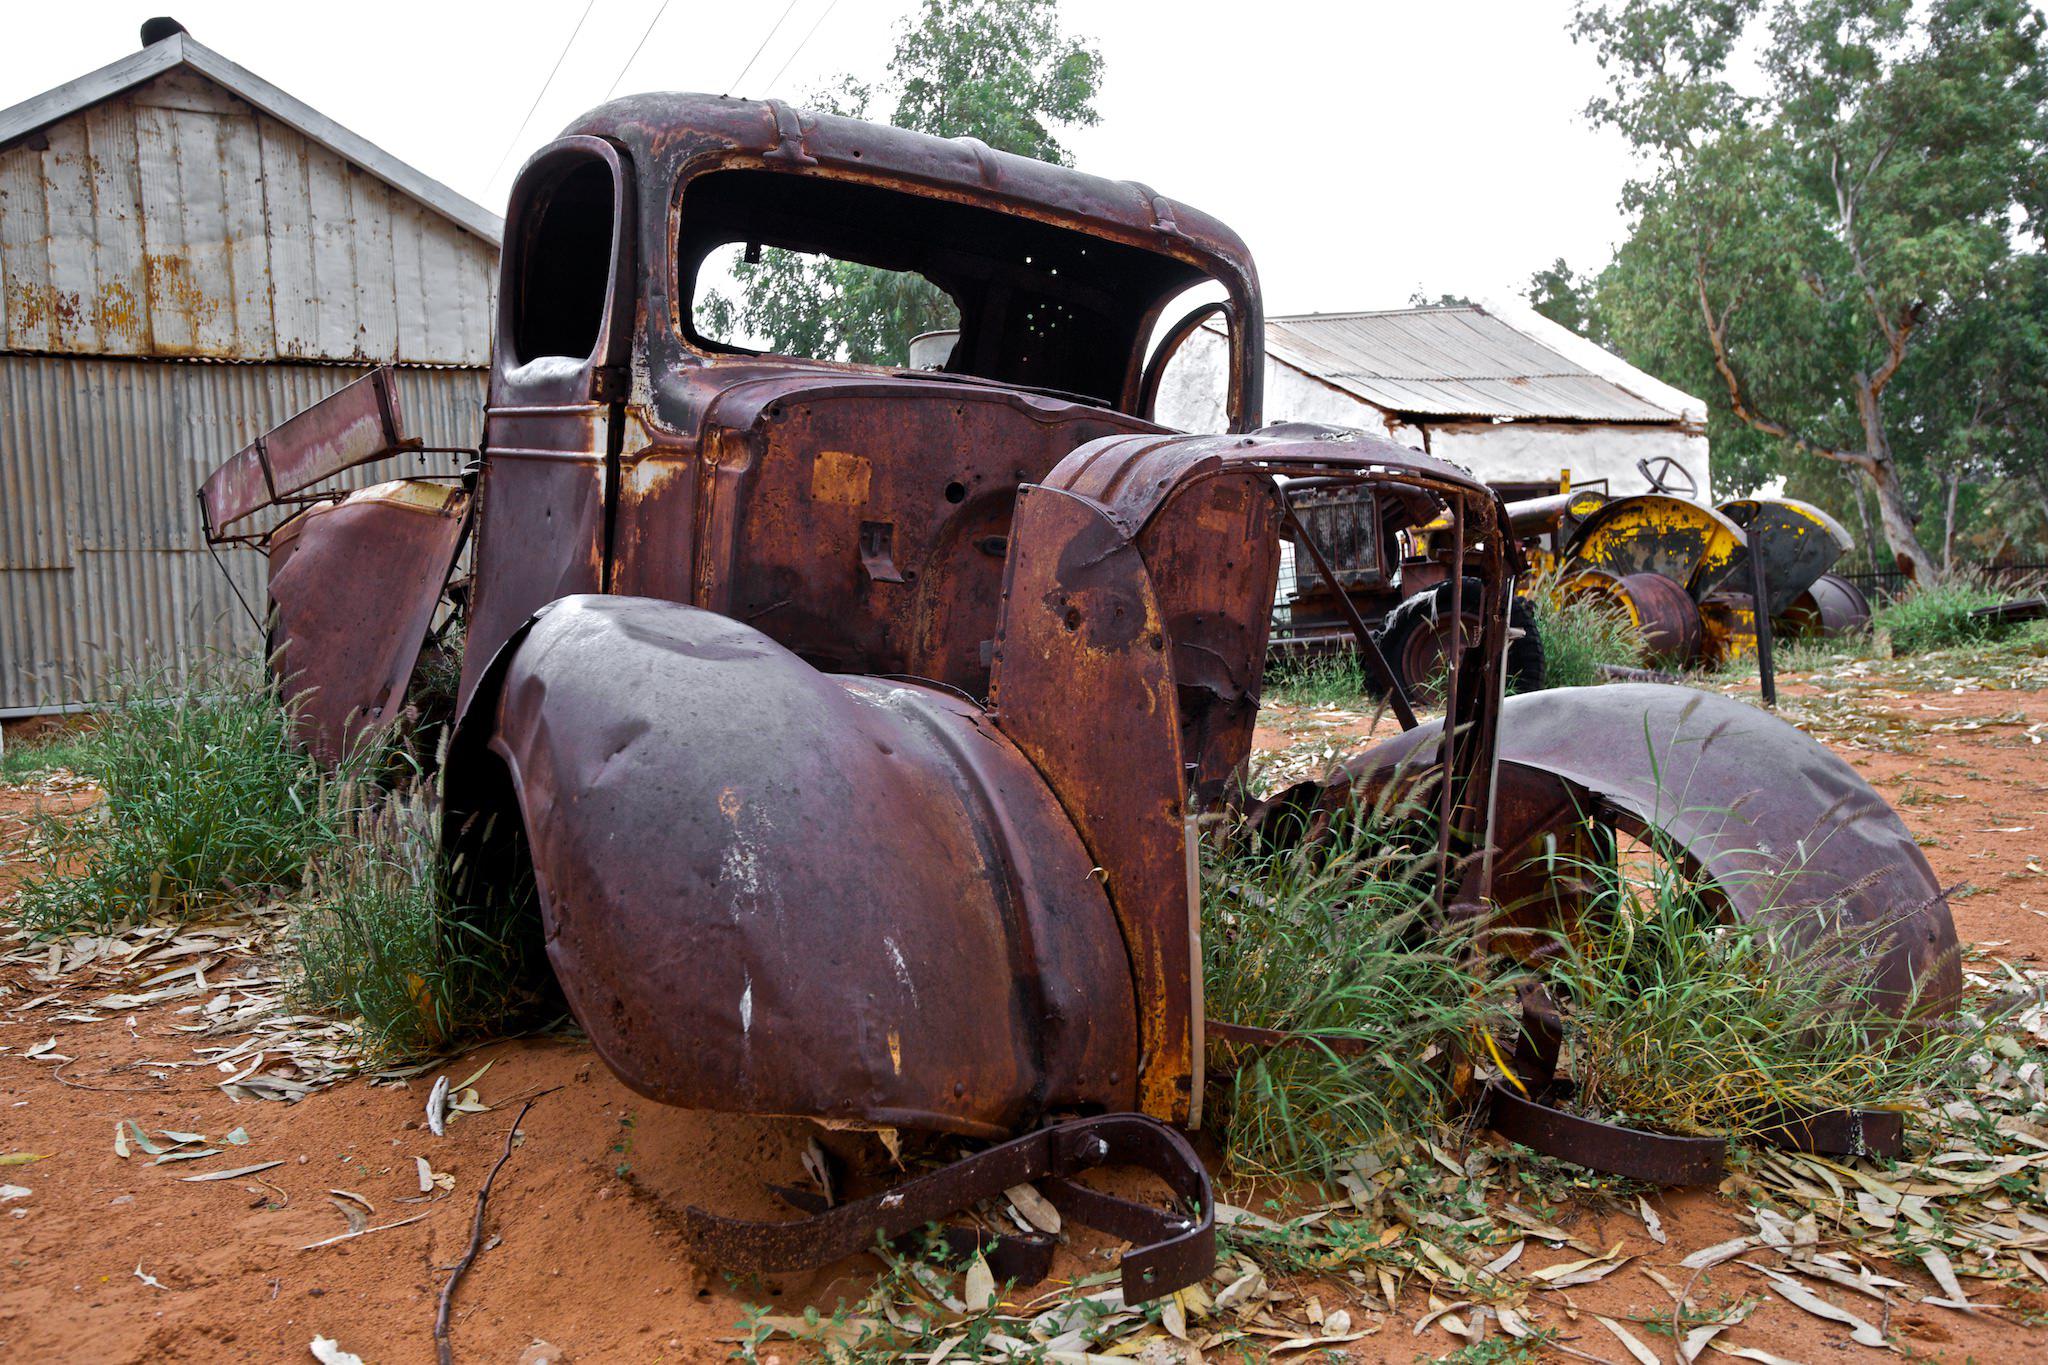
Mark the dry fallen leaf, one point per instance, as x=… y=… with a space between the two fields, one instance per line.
x=437 y=1107
x=1566 y=1274
x=357 y=1219
x=1802 y=1297
x=1035 y=1208
x=328 y=1351
x=980 y=1290
x=1628 y=1340
x=233 y=1173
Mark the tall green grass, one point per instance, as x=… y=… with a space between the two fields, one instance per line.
x=1580 y=633
x=1336 y=938
x=383 y=937
x=26 y=760
x=209 y=804
x=1682 y=1021
x=1937 y=615
x=205 y=802
x=1336 y=679
x=1677 y=1020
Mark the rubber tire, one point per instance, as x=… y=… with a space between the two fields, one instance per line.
x=1525 y=656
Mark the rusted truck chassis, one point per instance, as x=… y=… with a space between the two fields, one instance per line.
x=853 y=723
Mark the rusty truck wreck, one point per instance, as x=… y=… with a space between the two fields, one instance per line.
x=855 y=720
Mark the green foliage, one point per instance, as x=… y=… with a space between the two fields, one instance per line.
x=382 y=938
x=1826 y=248
x=1937 y=616
x=1569 y=299
x=209 y=805
x=1332 y=938
x=206 y=802
x=24 y=760
x=1678 y=1021
x=1336 y=679
x=1003 y=71
x=1580 y=633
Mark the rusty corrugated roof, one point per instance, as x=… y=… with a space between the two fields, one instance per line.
x=1451 y=362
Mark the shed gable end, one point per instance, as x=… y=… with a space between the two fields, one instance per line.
x=177 y=220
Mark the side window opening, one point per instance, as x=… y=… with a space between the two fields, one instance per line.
x=565 y=266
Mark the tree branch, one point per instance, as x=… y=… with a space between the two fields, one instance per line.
x=1738 y=401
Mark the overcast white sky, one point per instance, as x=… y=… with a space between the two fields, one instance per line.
x=1364 y=150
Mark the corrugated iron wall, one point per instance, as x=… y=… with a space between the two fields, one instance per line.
x=103 y=569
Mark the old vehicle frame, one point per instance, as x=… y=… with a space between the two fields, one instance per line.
x=855 y=723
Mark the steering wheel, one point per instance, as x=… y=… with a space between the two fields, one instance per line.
x=1666 y=475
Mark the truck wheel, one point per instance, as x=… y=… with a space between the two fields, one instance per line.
x=1418 y=634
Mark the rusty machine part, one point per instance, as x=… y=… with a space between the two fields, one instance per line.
x=1728 y=626
x=786 y=681
x=1661 y=611
x=1171 y=1248
x=1796 y=542
x=1830 y=608
x=1420 y=635
x=356 y=581
x=1655 y=533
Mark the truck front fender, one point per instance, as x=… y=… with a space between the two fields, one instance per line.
x=767 y=889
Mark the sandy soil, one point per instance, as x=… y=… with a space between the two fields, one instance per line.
x=583 y=1251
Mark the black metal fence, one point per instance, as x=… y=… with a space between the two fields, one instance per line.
x=1887 y=584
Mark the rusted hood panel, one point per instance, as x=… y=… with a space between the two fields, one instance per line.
x=355 y=425
x=1780 y=822
x=771 y=890
x=354 y=586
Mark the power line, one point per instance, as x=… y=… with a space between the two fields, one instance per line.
x=535 y=106
x=773 y=30
x=775 y=79
x=635 y=53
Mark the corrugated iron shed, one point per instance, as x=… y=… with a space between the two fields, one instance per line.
x=1452 y=362
x=188 y=255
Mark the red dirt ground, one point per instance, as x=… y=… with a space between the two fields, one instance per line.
x=587 y=1255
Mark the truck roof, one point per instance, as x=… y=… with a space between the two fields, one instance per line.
x=686 y=133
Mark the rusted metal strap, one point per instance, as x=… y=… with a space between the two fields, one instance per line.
x=1171 y=1250
x=1659 y=1158
x=1840 y=1132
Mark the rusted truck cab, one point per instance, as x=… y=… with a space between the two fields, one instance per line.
x=858 y=515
